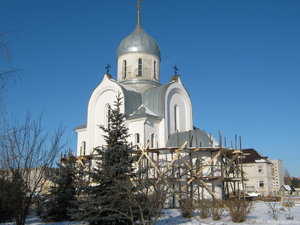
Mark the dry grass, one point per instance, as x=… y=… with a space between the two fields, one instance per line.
x=288 y=204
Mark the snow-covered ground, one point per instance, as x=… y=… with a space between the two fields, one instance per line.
x=259 y=214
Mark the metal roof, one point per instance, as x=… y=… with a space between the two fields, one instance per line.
x=133 y=99
x=195 y=138
x=142 y=111
x=80 y=127
x=154 y=99
x=138 y=41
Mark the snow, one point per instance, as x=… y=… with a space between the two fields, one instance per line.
x=258 y=215
x=287 y=187
x=260 y=160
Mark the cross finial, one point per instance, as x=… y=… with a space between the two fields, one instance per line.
x=175 y=70
x=139 y=11
x=107 y=68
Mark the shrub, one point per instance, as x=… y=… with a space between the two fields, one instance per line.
x=274 y=209
x=203 y=206
x=238 y=209
x=216 y=210
x=186 y=207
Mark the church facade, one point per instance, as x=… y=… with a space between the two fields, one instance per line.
x=161 y=114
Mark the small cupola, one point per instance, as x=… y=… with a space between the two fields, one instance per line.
x=138 y=42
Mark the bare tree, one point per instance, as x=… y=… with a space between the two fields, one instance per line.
x=27 y=149
x=287 y=177
x=7 y=75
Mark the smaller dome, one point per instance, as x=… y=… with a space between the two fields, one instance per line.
x=138 y=41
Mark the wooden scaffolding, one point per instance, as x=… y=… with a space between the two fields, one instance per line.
x=197 y=173
x=188 y=172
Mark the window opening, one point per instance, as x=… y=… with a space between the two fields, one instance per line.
x=261 y=184
x=176 y=118
x=107 y=113
x=137 y=138
x=124 y=69
x=83 y=147
x=152 y=140
x=140 y=67
x=154 y=70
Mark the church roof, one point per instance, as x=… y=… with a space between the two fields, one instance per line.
x=195 y=138
x=142 y=111
x=138 y=41
x=133 y=99
x=80 y=127
x=154 y=99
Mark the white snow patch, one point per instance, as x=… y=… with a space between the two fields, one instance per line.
x=259 y=214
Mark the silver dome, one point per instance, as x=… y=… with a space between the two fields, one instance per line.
x=138 y=41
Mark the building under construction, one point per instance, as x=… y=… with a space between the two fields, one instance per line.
x=188 y=172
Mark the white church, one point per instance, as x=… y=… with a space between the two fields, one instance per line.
x=161 y=114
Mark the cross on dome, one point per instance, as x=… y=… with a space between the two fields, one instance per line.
x=139 y=11
x=107 y=68
x=175 y=70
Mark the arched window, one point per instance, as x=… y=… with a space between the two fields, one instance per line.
x=137 y=138
x=176 y=118
x=140 y=67
x=107 y=112
x=83 y=146
x=152 y=140
x=124 y=69
x=154 y=70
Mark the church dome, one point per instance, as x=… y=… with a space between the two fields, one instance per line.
x=138 y=41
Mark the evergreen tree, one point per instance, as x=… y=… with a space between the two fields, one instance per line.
x=12 y=194
x=62 y=194
x=108 y=198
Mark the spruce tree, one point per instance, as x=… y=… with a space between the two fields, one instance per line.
x=108 y=197
x=62 y=194
x=12 y=194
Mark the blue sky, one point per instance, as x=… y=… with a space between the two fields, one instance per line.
x=239 y=60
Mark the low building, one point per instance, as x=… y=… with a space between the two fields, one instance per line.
x=286 y=189
x=257 y=172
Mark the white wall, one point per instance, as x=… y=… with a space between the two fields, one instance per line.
x=104 y=94
x=132 y=67
x=256 y=172
x=81 y=137
x=177 y=95
x=136 y=126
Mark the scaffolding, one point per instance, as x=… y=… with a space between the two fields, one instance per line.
x=197 y=173
x=188 y=172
